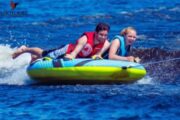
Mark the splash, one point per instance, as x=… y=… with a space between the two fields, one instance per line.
x=164 y=71
x=146 y=80
x=13 y=72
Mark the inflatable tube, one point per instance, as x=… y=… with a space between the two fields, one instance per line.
x=85 y=71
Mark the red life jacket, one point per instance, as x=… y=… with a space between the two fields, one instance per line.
x=89 y=49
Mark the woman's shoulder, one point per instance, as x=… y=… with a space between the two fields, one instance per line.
x=118 y=37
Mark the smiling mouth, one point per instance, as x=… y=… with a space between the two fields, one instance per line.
x=130 y=42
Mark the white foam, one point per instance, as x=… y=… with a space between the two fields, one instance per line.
x=145 y=80
x=175 y=9
x=142 y=37
x=13 y=71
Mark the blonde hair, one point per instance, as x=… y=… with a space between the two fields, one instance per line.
x=126 y=30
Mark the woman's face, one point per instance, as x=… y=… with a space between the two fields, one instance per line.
x=130 y=37
x=101 y=36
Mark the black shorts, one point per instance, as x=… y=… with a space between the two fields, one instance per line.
x=55 y=53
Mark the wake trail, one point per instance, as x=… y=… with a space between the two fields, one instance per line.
x=13 y=71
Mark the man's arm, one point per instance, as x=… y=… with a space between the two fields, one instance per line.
x=104 y=48
x=81 y=42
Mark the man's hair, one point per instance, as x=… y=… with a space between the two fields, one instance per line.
x=102 y=26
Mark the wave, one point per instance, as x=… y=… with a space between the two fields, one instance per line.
x=163 y=12
x=13 y=72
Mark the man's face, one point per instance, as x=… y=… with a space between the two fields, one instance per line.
x=102 y=35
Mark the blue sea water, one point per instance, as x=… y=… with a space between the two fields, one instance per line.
x=50 y=23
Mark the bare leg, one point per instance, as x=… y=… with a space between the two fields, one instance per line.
x=35 y=52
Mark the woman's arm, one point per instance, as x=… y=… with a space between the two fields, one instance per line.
x=115 y=45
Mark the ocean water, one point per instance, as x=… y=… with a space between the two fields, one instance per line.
x=51 y=23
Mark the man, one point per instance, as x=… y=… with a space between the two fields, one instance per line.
x=90 y=44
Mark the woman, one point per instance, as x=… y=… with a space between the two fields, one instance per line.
x=121 y=44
